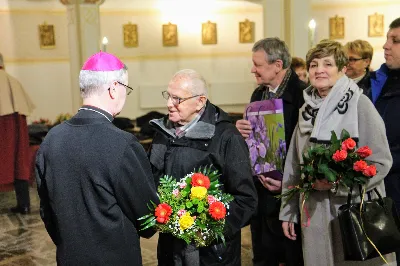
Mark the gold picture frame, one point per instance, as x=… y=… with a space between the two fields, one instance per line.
x=376 y=25
x=131 y=38
x=336 y=27
x=170 y=34
x=246 y=31
x=47 y=38
x=209 y=33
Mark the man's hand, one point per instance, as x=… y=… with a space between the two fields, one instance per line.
x=288 y=230
x=270 y=183
x=244 y=127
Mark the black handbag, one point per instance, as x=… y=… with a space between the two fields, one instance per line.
x=376 y=225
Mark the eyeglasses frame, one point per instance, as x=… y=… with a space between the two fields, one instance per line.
x=180 y=100
x=126 y=86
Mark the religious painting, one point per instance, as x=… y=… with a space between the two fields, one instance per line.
x=336 y=27
x=375 y=25
x=46 y=36
x=130 y=35
x=170 y=34
x=246 y=31
x=209 y=33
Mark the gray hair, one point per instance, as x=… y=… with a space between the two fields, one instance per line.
x=275 y=49
x=198 y=84
x=93 y=82
x=1 y=61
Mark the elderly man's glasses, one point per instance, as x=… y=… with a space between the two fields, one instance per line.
x=353 y=60
x=128 y=89
x=176 y=100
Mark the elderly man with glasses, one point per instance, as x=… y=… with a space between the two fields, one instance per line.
x=195 y=134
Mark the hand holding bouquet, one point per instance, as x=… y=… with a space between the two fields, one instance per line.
x=193 y=209
x=339 y=162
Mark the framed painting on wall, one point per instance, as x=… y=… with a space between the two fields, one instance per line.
x=246 y=31
x=47 y=38
x=336 y=27
x=170 y=34
x=375 y=25
x=130 y=35
x=209 y=33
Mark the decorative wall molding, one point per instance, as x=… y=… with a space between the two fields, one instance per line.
x=349 y=4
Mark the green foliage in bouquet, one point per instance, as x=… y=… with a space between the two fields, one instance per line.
x=339 y=162
x=61 y=118
x=193 y=209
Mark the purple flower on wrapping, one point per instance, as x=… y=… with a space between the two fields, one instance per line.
x=281 y=151
x=253 y=154
x=253 y=121
x=262 y=149
x=257 y=169
x=267 y=167
x=279 y=126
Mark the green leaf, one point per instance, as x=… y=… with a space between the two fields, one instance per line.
x=145 y=217
x=344 y=135
x=327 y=172
x=333 y=137
x=189 y=204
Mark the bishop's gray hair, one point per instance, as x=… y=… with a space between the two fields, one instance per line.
x=94 y=82
x=198 y=85
x=275 y=49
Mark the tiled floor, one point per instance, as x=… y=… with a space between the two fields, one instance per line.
x=24 y=240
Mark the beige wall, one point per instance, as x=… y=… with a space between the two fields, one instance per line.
x=356 y=14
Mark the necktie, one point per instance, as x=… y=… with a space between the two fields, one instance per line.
x=271 y=95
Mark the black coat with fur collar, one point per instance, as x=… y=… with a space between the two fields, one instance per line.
x=212 y=140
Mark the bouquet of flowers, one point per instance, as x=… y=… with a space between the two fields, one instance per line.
x=193 y=209
x=340 y=162
x=61 y=118
x=43 y=121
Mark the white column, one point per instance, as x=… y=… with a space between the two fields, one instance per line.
x=83 y=37
x=288 y=20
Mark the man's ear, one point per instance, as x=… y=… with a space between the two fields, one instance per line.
x=202 y=101
x=279 y=64
x=344 y=69
x=112 y=91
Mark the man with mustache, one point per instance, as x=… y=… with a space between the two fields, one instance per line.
x=271 y=67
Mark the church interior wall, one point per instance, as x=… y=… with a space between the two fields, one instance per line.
x=45 y=73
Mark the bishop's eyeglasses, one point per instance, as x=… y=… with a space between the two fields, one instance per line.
x=128 y=89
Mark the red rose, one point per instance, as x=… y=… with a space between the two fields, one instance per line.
x=339 y=155
x=370 y=171
x=364 y=152
x=217 y=210
x=348 y=144
x=162 y=212
x=360 y=166
x=200 y=180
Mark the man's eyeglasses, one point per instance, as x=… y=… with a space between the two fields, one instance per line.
x=353 y=60
x=176 y=100
x=128 y=89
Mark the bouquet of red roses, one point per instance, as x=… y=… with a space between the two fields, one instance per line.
x=340 y=162
x=193 y=209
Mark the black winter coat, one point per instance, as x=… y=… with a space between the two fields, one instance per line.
x=388 y=106
x=94 y=182
x=292 y=99
x=213 y=140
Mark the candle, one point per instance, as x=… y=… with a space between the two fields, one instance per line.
x=311 y=32
x=105 y=42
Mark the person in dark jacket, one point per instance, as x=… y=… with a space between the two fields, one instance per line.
x=271 y=67
x=94 y=180
x=385 y=94
x=360 y=54
x=194 y=134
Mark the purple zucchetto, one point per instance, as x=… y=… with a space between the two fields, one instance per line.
x=103 y=61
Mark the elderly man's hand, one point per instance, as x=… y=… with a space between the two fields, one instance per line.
x=244 y=127
x=270 y=183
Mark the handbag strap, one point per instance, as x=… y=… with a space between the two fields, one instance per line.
x=349 y=195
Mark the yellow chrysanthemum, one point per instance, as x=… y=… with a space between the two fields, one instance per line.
x=198 y=193
x=186 y=221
